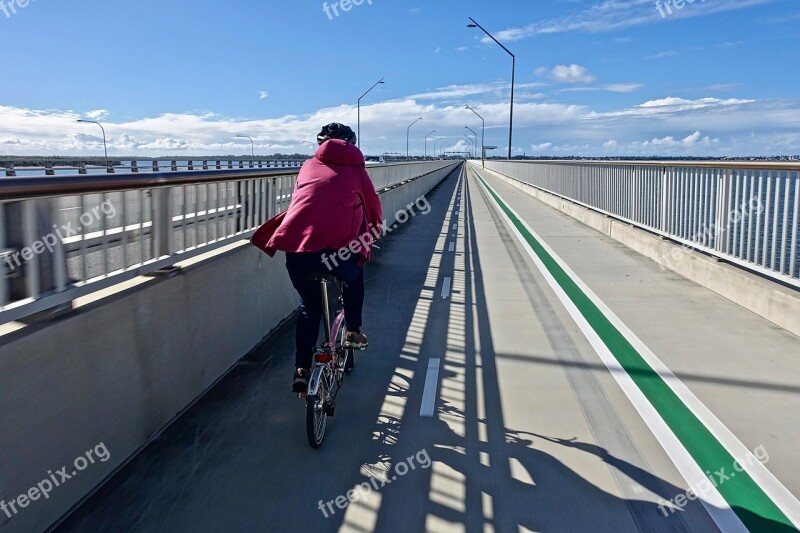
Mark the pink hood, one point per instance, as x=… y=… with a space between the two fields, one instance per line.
x=334 y=203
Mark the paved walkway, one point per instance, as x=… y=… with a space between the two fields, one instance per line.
x=535 y=426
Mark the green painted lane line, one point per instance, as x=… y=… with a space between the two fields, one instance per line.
x=746 y=498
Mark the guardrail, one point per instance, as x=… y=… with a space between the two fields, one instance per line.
x=56 y=168
x=744 y=213
x=62 y=237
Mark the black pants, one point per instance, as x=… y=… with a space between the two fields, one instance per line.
x=301 y=266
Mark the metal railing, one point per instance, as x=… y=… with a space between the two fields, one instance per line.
x=744 y=213
x=127 y=166
x=62 y=237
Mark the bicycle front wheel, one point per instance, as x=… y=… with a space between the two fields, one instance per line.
x=316 y=419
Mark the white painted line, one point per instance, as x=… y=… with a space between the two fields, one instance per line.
x=446 y=288
x=431 y=385
x=452 y=247
x=455 y=226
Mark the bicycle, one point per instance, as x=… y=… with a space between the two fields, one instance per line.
x=331 y=362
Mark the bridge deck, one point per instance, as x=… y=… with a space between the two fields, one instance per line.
x=531 y=430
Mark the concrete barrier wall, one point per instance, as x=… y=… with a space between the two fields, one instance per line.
x=112 y=374
x=770 y=300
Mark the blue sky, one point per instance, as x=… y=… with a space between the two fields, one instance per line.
x=594 y=77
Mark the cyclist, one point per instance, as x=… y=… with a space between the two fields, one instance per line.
x=334 y=217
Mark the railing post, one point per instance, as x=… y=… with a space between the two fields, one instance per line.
x=205 y=165
x=110 y=167
x=155 y=165
x=6 y=261
x=723 y=212
x=219 y=165
x=134 y=167
x=174 y=165
x=48 y=169
x=10 y=172
x=634 y=198
x=664 y=199
x=190 y=165
x=162 y=222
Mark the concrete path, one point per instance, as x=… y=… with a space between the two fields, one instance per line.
x=480 y=405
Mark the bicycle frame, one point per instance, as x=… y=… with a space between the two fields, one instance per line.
x=327 y=371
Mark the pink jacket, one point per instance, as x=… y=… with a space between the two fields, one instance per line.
x=334 y=206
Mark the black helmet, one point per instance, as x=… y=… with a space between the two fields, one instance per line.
x=336 y=131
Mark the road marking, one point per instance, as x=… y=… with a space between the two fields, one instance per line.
x=446 y=288
x=431 y=385
x=452 y=247
x=692 y=436
x=455 y=226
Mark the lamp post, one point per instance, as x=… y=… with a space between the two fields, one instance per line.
x=408 y=134
x=513 y=74
x=252 y=146
x=475 y=135
x=105 y=146
x=437 y=144
x=469 y=144
x=426 y=143
x=358 y=133
x=483 y=132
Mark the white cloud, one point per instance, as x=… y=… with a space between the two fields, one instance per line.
x=97 y=114
x=459 y=91
x=566 y=74
x=262 y=95
x=612 y=88
x=661 y=55
x=669 y=125
x=610 y=15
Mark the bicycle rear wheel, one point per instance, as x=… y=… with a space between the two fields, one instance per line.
x=316 y=418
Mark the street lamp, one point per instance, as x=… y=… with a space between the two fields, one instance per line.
x=105 y=146
x=437 y=144
x=252 y=146
x=483 y=132
x=358 y=133
x=408 y=133
x=426 y=143
x=476 y=137
x=513 y=74
x=469 y=145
